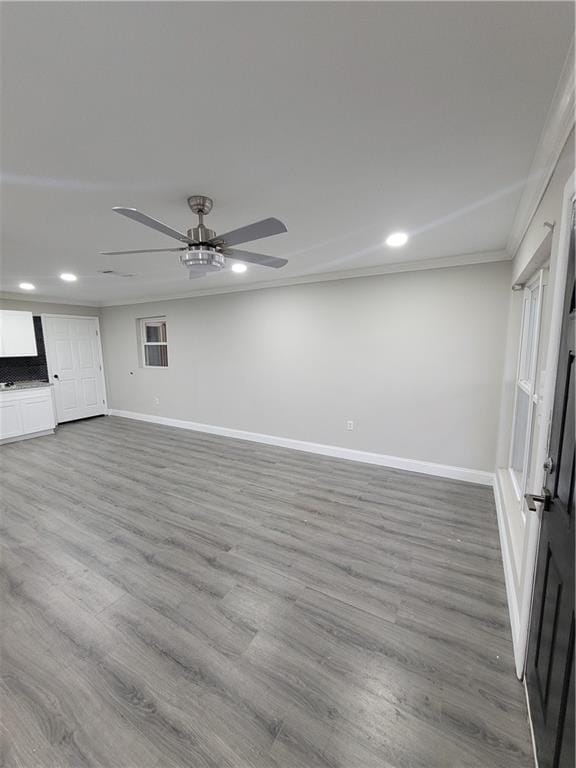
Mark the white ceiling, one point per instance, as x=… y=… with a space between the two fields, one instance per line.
x=345 y=120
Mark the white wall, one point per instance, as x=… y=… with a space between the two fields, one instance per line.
x=549 y=210
x=415 y=359
x=519 y=530
x=523 y=267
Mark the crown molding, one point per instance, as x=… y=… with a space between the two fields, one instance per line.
x=462 y=260
x=25 y=297
x=559 y=123
x=443 y=262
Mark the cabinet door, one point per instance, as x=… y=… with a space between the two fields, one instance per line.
x=37 y=414
x=10 y=420
x=17 y=337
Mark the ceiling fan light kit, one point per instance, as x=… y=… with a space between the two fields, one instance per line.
x=208 y=259
x=204 y=251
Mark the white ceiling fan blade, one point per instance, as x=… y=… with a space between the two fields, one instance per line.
x=143 y=250
x=255 y=258
x=256 y=231
x=148 y=221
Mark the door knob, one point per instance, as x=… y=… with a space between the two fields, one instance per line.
x=549 y=465
x=56 y=376
x=544 y=499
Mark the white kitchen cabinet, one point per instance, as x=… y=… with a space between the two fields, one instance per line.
x=26 y=413
x=17 y=337
x=10 y=419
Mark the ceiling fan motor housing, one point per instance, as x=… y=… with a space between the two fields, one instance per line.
x=201 y=234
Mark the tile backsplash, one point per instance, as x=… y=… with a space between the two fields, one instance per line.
x=27 y=368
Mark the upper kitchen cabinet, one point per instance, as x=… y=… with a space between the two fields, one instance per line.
x=17 y=338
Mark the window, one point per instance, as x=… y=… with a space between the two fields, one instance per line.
x=154 y=342
x=526 y=396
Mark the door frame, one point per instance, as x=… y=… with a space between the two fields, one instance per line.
x=48 y=315
x=556 y=297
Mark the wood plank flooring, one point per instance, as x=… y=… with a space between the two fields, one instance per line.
x=178 y=600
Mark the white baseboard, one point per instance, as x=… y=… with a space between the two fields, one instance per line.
x=512 y=595
x=394 y=462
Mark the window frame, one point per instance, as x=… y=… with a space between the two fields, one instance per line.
x=144 y=322
x=525 y=379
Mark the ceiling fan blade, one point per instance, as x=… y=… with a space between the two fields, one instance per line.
x=256 y=231
x=142 y=218
x=255 y=258
x=145 y=250
x=193 y=274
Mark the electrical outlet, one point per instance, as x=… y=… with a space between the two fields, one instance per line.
x=157 y=400
x=349 y=425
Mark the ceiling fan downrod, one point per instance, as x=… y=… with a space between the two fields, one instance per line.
x=201 y=206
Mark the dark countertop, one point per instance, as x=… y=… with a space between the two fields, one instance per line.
x=18 y=385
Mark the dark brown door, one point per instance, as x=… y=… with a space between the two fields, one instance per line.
x=550 y=661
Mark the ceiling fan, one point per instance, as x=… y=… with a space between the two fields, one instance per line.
x=204 y=251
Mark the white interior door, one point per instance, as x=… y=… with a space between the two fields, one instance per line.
x=75 y=364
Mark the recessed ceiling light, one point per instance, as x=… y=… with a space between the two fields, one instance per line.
x=397 y=239
x=27 y=286
x=239 y=268
x=68 y=277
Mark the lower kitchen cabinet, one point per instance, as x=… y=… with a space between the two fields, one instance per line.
x=26 y=413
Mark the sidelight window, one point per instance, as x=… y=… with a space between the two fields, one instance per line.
x=525 y=391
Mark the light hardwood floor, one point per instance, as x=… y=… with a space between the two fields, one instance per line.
x=172 y=599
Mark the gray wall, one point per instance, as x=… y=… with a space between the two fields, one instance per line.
x=415 y=359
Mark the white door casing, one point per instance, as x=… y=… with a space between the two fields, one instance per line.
x=74 y=357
